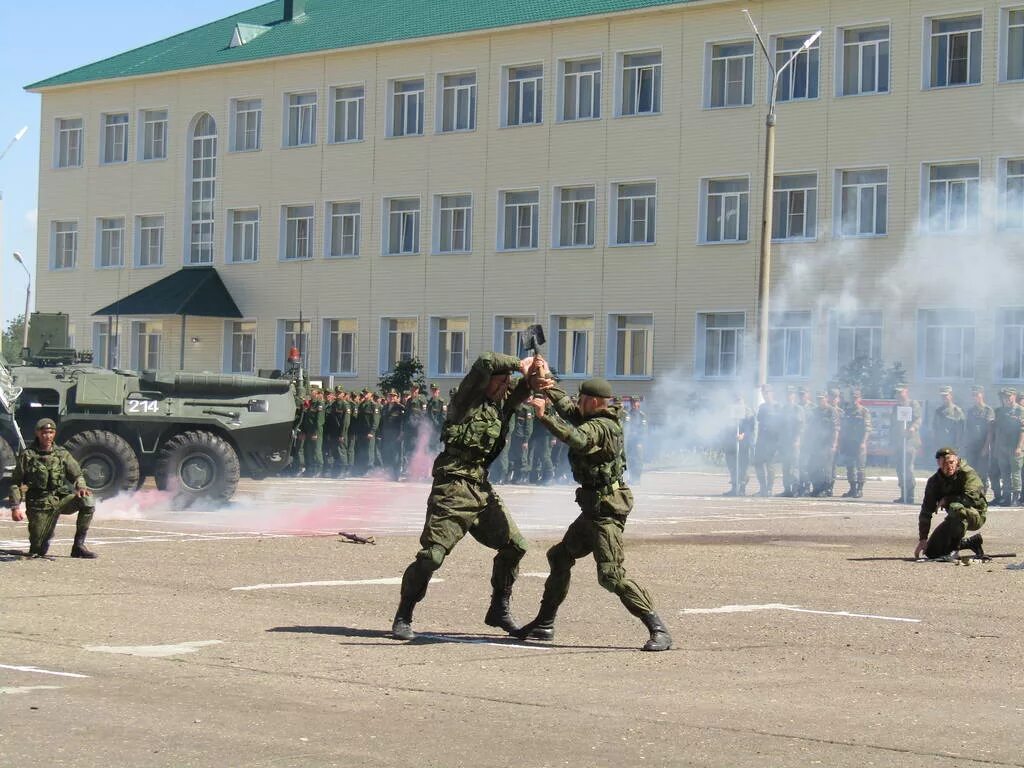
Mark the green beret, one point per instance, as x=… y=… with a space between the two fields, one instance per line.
x=947 y=451
x=46 y=424
x=596 y=387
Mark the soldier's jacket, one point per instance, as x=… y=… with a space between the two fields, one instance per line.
x=597 y=444
x=48 y=475
x=746 y=426
x=822 y=427
x=964 y=487
x=363 y=417
x=312 y=421
x=769 y=422
x=437 y=409
x=977 y=426
x=948 y=424
x=911 y=430
x=391 y=419
x=854 y=426
x=416 y=411
x=634 y=424
x=334 y=417
x=1009 y=421
x=347 y=413
x=522 y=427
x=792 y=420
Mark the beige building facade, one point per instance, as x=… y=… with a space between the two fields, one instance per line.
x=600 y=175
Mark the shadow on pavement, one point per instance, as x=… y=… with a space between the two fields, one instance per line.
x=432 y=638
x=10 y=555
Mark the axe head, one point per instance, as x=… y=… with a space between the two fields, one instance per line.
x=532 y=337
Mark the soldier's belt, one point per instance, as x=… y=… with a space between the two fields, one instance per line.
x=604 y=490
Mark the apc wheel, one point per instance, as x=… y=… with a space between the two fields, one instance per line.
x=109 y=465
x=198 y=466
x=6 y=465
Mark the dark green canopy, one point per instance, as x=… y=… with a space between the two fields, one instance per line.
x=196 y=291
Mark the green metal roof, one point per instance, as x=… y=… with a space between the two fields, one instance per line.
x=334 y=24
x=196 y=291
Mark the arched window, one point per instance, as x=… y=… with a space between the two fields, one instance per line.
x=201 y=190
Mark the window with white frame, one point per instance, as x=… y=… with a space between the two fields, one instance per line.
x=799 y=81
x=508 y=330
x=115 y=138
x=403 y=232
x=458 y=102
x=454 y=223
x=349 y=109
x=398 y=341
x=243 y=347
x=789 y=345
x=246 y=125
x=154 y=134
x=576 y=213
x=298 y=232
x=344 y=234
x=946 y=343
x=1012 y=66
x=1012 y=194
x=731 y=75
x=524 y=95
x=407 y=107
x=794 y=207
x=69 y=143
x=1010 y=343
x=202 y=190
x=574 y=348
x=519 y=225
x=725 y=210
x=864 y=64
x=340 y=339
x=449 y=341
x=65 y=245
x=863 y=202
x=954 y=51
x=630 y=344
x=953 y=197
x=146 y=337
x=641 y=84
x=856 y=336
x=720 y=344
x=150 y=243
x=300 y=121
x=244 y=226
x=293 y=334
x=580 y=96
x=105 y=352
x=110 y=252
x=635 y=205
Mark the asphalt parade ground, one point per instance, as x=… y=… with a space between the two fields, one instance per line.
x=255 y=636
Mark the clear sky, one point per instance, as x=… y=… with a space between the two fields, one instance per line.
x=40 y=39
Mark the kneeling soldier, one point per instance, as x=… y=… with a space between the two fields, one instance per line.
x=956 y=488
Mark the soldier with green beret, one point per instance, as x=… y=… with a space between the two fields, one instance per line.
x=905 y=441
x=519 y=445
x=978 y=426
x=822 y=441
x=1007 y=449
x=854 y=428
x=392 y=421
x=793 y=421
x=956 y=488
x=948 y=421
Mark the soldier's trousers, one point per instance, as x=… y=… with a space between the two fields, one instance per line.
x=540 y=454
x=738 y=476
x=856 y=459
x=821 y=469
x=790 y=456
x=635 y=461
x=908 y=483
x=391 y=455
x=498 y=470
x=597 y=531
x=314 y=457
x=349 y=442
x=457 y=506
x=518 y=458
x=334 y=456
x=947 y=535
x=765 y=454
x=42 y=520
x=1006 y=478
x=978 y=458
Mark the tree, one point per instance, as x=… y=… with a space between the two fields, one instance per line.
x=405 y=374
x=871 y=375
x=12 y=338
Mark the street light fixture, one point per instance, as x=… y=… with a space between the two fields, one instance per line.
x=17 y=137
x=765 y=262
x=28 y=293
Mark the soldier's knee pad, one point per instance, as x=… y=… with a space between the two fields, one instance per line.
x=558 y=557
x=431 y=557
x=609 y=576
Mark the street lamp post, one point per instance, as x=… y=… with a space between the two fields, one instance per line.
x=17 y=137
x=28 y=294
x=765 y=261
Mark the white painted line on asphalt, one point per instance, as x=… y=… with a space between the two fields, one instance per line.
x=793 y=609
x=28 y=689
x=389 y=581
x=738 y=608
x=38 y=671
x=154 y=651
x=481 y=641
x=742 y=530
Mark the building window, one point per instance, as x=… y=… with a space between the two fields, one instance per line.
x=576 y=213
x=449 y=340
x=403 y=234
x=1010 y=343
x=520 y=225
x=1013 y=62
x=349 y=107
x=641 y=84
x=154 y=134
x=863 y=203
x=243 y=347
x=203 y=188
x=105 y=352
x=573 y=350
x=244 y=226
x=407 y=107
x=954 y=52
x=946 y=343
x=634 y=213
x=146 y=345
x=247 y=125
x=630 y=344
x=856 y=336
x=454 y=223
x=292 y=334
x=110 y=252
x=1012 y=194
x=720 y=343
x=864 y=64
x=580 y=98
x=150 y=243
x=725 y=215
x=789 y=345
x=953 y=198
x=398 y=341
x=508 y=334
x=340 y=354
x=298 y=232
x=799 y=81
x=794 y=207
x=344 y=234
x=731 y=76
x=524 y=95
x=458 y=102
x=115 y=138
x=300 y=128
x=69 y=143
x=65 y=245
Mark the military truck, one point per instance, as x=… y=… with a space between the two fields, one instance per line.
x=195 y=433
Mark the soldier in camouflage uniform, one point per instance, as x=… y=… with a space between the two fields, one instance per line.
x=593 y=431
x=392 y=421
x=461 y=498
x=54 y=486
x=1007 y=448
x=835 y=400
x=958 y=489
x=362 y=433
x=543 y=469
x=332 y=435
x=312 y=431
x=415 y=429
x=948 y=422
x=822 y=440
x=736 y=444
x=519 y=445
x=636 y=438
x=295 y=373
x=437 y=409
x=769 y=435
x=978 y=426
x=905 y=441
x=807 y=403
x=854 y=429
x=792 y=420
x=350 y=431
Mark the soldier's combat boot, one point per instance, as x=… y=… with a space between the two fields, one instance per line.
x=974 y=544
x=660 y=638
x=78 y=549
x=401 y=627
x=538 y=629
x=498 y=614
